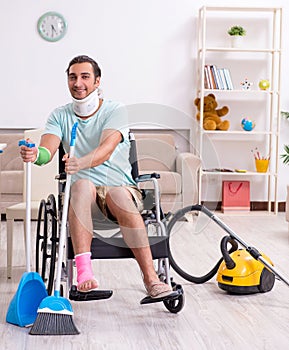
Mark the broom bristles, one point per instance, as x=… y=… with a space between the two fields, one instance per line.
x=53 y=324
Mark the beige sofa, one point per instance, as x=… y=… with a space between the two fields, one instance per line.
x=157 y=152
x=11 y=174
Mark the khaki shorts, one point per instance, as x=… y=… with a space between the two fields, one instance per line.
x=103 y=190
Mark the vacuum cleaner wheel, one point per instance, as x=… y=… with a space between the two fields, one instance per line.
x=267 y=280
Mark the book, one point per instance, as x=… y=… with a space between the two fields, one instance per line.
x=212 y=79
x=217 y=78
x=209 y=78
x=215 y=75
x=206 y=80
x=220 y=80
x=223 y=79
x=228 y=79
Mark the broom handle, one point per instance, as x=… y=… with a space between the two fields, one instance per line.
x=28 y=207
x=64 y=217
x=28 y=216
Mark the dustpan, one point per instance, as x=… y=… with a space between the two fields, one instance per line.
x=22 y=310
x=23 y=307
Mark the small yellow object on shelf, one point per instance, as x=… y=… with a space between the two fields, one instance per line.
x=240 y=170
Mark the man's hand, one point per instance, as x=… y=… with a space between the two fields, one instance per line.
x=72 y=165
x=28 y=154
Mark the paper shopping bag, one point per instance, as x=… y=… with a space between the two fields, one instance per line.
x=235 y=196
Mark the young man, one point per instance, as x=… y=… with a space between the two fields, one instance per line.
x=101 y=172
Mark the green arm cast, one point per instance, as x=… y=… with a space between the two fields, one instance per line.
x=43 y=156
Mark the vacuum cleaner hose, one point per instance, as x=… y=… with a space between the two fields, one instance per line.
x=194 y=279
x=230 y=263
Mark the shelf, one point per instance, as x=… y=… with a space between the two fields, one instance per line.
x=257 y=58
x=235 y=132
x=268 y=92
x=235 y=173
x=239 y=9
x=251 y=91
x=239 y=49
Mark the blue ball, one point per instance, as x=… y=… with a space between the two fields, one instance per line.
x=247 y=124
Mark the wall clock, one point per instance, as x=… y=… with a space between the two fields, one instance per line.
x=52 y=26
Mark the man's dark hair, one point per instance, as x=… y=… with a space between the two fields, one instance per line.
x=82 y=59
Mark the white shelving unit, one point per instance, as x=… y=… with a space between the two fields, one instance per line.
x=258 y=58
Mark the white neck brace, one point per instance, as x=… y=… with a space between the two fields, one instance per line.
x=87 y=106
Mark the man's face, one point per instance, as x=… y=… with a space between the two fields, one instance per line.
x=81 y=80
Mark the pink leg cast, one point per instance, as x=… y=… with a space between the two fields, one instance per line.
x=85 y=278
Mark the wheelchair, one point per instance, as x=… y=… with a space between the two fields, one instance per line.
x=110 y=246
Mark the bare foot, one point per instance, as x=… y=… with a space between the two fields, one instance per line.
x=88 y=285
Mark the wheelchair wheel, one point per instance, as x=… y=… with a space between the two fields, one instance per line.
x=189 y=246
x=175 y=305
x=46 y=241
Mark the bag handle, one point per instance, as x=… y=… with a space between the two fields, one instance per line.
x=238 y=188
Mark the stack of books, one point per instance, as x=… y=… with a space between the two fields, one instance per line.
x=217 y=78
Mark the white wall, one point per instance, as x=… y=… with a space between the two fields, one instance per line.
x=146 y=50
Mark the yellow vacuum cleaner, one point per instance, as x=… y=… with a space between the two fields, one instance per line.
x=240 y=273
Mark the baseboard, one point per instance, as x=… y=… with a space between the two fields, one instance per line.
x=3 y=218
x=254 y=206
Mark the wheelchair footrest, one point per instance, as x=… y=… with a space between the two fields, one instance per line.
x=76 y=295
x=150 y=300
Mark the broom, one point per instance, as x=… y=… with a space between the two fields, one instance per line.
x=54 y=314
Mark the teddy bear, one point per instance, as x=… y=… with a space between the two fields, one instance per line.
x=212 y=120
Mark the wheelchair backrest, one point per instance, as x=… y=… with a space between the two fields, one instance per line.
x=133 y=156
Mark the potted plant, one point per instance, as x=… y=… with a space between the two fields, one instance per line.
x=236 y=33
x=237 y=30
x=285 y=156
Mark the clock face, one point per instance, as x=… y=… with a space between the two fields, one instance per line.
x=52 y=26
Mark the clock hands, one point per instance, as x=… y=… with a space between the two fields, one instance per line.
x=53 y=30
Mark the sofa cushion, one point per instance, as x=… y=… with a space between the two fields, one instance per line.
x=12 y=181
x=156 y=152
x=169 y=183
x=10 y=158
x=12 y=170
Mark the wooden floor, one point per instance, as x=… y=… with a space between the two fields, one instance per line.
x=211 y=319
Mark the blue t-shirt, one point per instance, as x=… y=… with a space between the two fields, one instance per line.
x=111 y=115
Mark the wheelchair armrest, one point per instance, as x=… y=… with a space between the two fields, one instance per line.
x=147 y=177
x=151 y=197
x=140 y=178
